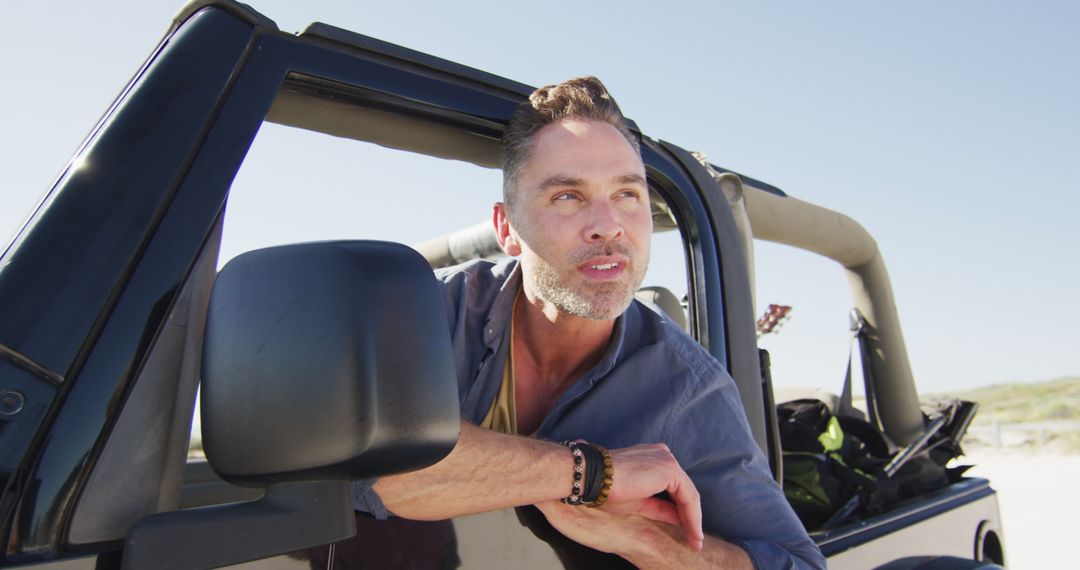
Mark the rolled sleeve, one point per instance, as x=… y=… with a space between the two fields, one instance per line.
x=366 y=500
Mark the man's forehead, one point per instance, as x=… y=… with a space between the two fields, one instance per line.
x=575 y=125
x=571 y=149
x=581 y=131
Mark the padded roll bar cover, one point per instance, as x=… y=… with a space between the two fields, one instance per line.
x=327 y=361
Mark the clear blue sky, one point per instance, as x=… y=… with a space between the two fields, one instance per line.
x=950 y=130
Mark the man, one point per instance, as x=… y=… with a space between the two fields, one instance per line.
x=551 y=346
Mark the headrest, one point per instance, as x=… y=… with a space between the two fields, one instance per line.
x=665 y=302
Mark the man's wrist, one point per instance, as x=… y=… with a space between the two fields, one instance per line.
x=592 y=475
x=559 y=470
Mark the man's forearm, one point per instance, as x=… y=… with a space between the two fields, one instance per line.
x=488 y=471
x=485 y=471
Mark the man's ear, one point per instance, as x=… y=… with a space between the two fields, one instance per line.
x=508 y=240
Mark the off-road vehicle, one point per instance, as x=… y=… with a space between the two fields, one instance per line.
x=322 y=362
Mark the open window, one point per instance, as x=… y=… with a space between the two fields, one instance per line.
x=332 y=162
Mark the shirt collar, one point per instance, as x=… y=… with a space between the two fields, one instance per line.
x=498 y=319
x=614 y=349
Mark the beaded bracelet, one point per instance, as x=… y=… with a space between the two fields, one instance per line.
x=594 y=474
x=579 y=469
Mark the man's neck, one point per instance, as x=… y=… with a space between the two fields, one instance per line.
x=557 y=344
x=552 y=350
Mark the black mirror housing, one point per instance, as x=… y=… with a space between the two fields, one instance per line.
x=327 y=361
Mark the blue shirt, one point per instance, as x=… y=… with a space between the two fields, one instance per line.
x=654 y=384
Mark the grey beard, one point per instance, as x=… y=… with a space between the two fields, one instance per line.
x=598 y=301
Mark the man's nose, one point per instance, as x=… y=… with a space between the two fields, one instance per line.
x=604 y=224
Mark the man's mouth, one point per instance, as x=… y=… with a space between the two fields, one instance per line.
x=604 y=266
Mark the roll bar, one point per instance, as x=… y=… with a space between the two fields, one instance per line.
x=774 y=217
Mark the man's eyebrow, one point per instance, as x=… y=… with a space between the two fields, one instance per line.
x=630 y=179
x=560 y=181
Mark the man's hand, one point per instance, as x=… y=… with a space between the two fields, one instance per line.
x=644 y=543
x=623 y=535
x=642 y=471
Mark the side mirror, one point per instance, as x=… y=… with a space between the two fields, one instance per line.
x=327 y=361
x=322 y=363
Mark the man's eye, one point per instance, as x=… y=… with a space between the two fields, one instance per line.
x=630 y=194
x=566 y=196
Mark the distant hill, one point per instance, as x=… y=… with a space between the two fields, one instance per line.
x=1025 y=403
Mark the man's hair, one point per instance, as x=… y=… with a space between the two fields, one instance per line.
x=580 y=98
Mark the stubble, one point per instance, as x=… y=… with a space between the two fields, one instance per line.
x=597 y=300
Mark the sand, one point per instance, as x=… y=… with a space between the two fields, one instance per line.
x=1039 y=500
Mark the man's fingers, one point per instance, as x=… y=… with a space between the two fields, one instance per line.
x=688 y=501
x=660 y=510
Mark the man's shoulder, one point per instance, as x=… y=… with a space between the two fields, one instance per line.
x=477 y=272
x=474 y=286
x=656 y=328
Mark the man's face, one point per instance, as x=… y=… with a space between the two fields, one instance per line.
x=582 y=219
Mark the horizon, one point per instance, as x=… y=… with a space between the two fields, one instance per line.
x=949 y=132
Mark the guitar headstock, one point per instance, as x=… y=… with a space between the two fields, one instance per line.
x=773 y=319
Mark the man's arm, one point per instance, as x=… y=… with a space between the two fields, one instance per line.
x=485 y=471
x=488 y=471
x=642 y=542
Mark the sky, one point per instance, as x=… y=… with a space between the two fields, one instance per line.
x=949 y=130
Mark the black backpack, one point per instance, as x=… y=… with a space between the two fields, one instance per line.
x=829 y=459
